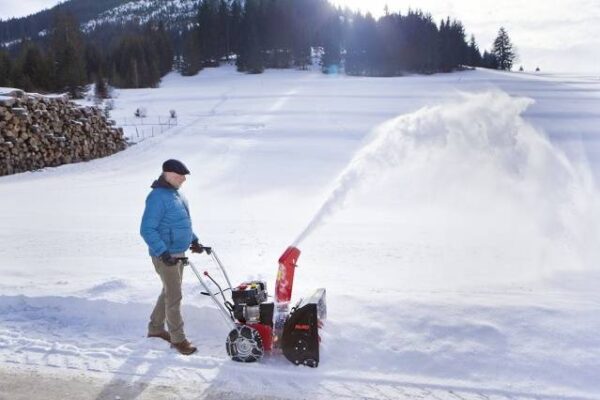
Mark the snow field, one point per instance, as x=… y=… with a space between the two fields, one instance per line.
x=454 y=227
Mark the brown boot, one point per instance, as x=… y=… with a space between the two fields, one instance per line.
x=185 y=347
x=164 y=335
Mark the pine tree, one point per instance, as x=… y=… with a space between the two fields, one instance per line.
x=503 y=51
x=445 y=62
x=473 y=54
x=235 y=27
x=278 y=20
x=300 y=40
x=416 y=39
x=93 y=61
x=489 y=60
x=430 y=58
x=101 y=88
x=68 y=51
x=301 y=51
x=136 y=62
x=163 y=47
x=453 y=52
x=192 y=59
x=253 y=58
x=208 y=32
x=187 y=60
x=34 y=69
x=224 y=27
x=459 y=47
x=331 y=60
x=250 y=58
x=5 y=69
x=360 y=58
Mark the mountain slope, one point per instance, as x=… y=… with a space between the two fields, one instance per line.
x=174 y=13
x=30 y=26
x=92 y=14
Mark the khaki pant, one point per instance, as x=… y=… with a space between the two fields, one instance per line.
x=168 y=304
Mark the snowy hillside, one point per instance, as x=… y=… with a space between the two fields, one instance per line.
x=173 y=12
x=454 y=220
x=176 y=15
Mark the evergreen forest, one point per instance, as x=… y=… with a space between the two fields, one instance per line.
x=252 y=34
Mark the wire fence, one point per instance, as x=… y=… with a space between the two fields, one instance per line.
x=139 y=128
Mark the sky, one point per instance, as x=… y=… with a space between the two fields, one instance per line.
x=21 y=8
x=555 y=35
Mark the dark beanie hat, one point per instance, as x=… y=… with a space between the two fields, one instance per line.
x=175 y=166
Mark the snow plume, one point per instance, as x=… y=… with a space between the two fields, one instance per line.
x=478 y=163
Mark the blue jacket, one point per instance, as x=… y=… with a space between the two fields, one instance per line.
x=166 y=223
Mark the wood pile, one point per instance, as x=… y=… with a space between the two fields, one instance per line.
x=40 y=131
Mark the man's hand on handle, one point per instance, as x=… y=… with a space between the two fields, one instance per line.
x=168 y=259
x=196 y=247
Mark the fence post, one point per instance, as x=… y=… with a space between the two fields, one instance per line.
x=139 y=124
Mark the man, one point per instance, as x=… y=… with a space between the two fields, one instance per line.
x=167 y=230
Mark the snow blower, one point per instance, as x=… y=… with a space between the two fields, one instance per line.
x=258 y=326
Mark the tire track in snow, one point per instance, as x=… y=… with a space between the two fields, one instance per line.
x=151 y=365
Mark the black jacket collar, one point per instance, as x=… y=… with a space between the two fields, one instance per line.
x=161 y=182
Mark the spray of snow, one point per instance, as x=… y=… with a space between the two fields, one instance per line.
x=482 y=164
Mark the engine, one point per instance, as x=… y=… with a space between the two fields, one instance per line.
x=249 y=303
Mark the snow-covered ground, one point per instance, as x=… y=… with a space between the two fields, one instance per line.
x=454 y=220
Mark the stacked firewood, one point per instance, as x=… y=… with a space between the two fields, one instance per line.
x=42 y=131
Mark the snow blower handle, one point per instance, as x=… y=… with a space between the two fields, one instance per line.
x=227 y=315
x=212 y=253
x=215 y=257
x=207 y=250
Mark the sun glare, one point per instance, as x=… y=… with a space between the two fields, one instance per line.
x=375 y=7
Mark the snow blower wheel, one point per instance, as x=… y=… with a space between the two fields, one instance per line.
x=244 y=344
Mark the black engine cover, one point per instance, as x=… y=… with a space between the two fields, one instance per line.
x=251 y=293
